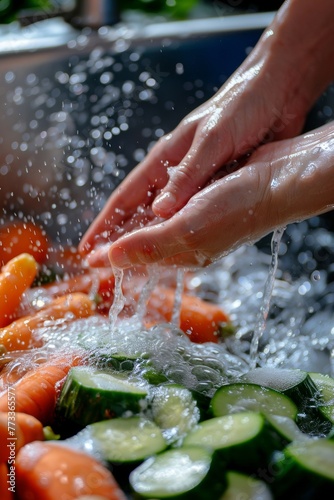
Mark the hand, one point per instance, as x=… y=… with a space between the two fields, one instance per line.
x=251 y=108
x=265 y=100
x=281 y=182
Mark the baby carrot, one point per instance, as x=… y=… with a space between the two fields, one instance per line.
x=37 y=391
x=199 y=319
x=52 y=471
x=15 y=278
x=19 y=334
x=23 y=237
x=6 y=488
x=16 y=430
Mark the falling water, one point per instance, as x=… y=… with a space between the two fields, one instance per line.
x=146 y=292
x=178 y=297
x=268 y=290
x=119 y=299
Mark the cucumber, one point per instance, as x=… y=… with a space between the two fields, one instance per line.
x=287 y=428
x=243 y=440
x=305 y=470
x=91 y=395
x=325 y=384
x=174 y=410
x=239 y=396
x=185 y=472
x=296 y=384
x=244 y=487
x=125 y=440
x=301 y=389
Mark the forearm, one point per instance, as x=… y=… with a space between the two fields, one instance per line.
x=299 y=43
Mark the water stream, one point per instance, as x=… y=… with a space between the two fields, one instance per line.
x=267 y=294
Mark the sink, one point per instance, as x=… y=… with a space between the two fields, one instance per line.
x=80 y=109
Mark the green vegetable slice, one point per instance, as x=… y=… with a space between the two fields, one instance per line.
x=244 y=487
x=236 y=397
x=306 y=470
x=90 y=395
x=243 y=440
x=126 y=440
x=174 y=410
x=185 y=472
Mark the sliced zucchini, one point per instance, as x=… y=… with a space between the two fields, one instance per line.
x=245 y=487
x=305 y=470
x=243 y=440
x=239 y=396
x=185 y=472
x=125 y=440
x=90 y=395
x=174 y=410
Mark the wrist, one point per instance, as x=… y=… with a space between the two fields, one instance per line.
x=300 y=42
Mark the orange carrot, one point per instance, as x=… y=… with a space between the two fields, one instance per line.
x=7 y=482
x=16 y=430
x=15 y=278
x=23 y=237
x=52 y=471
x=66 y=259
x=37 y=391
x=199 y=319
x=20 y=333
x=84 y=282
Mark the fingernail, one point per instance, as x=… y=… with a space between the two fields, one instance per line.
x=165 y=201
x=119 y=258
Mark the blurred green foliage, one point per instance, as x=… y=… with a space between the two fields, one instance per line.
x=10 y=8
x=177 y=9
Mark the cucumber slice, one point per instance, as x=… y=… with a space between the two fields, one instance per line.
x=306 y=470
x=244 y=487
x=301 y=389
x=185 y=472
x=125 y=440
x=325 y=384
x=90 y=395
x=243 y=440
x=239 y=396
x=174 y=410
x=296 y=384
x=287 y=428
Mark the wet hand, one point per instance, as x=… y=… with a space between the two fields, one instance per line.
x=281 y=183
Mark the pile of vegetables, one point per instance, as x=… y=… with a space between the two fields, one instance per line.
x=85 y=424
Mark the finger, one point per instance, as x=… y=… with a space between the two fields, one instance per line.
x=214 y=222
x=212 y=147
x=137 y=190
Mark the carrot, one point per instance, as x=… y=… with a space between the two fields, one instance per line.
x=15 y=278
x=199 y=319
x=19 y=334
x=16 y=430
x=52 y=471
x=66 y=259
x=37 y=391
x=23 y=237
x=7 y=482
x=84 y=282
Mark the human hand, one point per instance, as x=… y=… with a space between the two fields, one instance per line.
x=281 y=182
x=251 y=108
x=265 y=100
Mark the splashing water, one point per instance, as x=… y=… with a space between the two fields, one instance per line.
x=146 y=292
x=178 y=297
x=267 y=294
x=119 y=299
